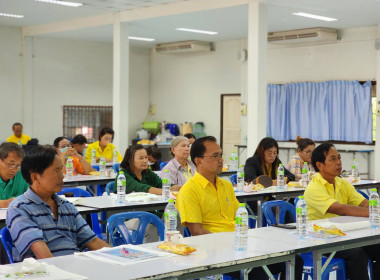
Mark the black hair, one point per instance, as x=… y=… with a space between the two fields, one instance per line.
x=265 y=144
x=8 y=147
x=57 y=140
x=129 y=156
x=304 y=142
x=16 y=124
x=37 y=160
x=319 y=154
x=79 y=139
x=190 y=135
x=154 y=152
x=106 y=130
x=198 y=148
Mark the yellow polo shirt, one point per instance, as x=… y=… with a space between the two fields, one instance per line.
x=107 y=153
x=24 y=139
x=320 y=195
x=199 y=201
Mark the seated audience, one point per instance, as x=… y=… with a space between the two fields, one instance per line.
x=42 y=224
x=305 y=148
x=181 y=169
x=12 y=184
x=327 y=196
x=79 y=143
x=154 y=156
x=139 y=178
x=18 y=137
x=103 y=147
x=64 y=150
x=207 y=203
x=191 y=138
x=265 y=161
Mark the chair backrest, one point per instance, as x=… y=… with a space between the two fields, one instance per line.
x=233 y=179
x=162 y=164
x=115 y=167
x=283 y=206
x=295 y=201
x=6 y=240
x=119 y=233
x=363 y=194
x=109 y=187
x=78 y=192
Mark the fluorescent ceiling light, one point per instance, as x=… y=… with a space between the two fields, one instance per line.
x=197 y=31
x=141 y=39
x=314 y=16
x=11 y=15
x=64 y=3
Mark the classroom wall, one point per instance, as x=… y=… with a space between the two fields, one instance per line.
x=67 y=72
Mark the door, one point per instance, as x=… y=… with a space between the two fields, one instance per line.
x=230 y=124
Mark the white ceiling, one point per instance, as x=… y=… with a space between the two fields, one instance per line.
x=231 y=23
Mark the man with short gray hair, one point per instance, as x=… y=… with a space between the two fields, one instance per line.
x=12 y=184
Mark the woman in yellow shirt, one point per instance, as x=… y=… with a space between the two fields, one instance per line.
x=103 y=147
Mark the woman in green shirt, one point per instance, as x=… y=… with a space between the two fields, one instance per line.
x=138 y=177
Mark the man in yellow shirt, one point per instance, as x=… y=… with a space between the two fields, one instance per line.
x=207 y=203
x=328 y=195
x=17 y=136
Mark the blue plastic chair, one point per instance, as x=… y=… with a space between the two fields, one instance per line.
x=335 y=264
x=6 y=239
x=109 y=187
x=116 y=167
x=119 y=233
x=363 y=194
x=162 y=164
x=233 y=179
x=94 y=216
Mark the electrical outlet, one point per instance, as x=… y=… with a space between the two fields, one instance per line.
x=243 y=109
x=152 y=109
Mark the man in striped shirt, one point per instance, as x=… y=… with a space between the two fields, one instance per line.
x=41 y=224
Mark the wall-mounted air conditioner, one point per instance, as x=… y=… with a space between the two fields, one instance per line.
x=183 y=47
x=304 y=36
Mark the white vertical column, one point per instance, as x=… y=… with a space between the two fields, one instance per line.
x=374 y=173
x=27 y=73
x=120 y=100
x=257 y=74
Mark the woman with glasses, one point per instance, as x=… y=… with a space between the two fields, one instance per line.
x=181 y=169
x=305 y=149
x=103 y=147
x=265 y=161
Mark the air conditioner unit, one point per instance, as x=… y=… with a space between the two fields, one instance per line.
x=304 y=36
x=183 y=47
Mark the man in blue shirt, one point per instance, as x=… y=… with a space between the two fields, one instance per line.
x=41 y=224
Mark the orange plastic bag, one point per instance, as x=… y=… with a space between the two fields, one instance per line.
x=180 y=249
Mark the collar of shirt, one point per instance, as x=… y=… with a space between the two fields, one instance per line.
x=32 y=196
x=6 y=183
x=178 y=166
x=326 y=184
x=203 y=181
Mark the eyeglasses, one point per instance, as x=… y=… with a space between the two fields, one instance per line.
x=308 y=152
x=12 y=166
x=108 y=139
x=215 y=156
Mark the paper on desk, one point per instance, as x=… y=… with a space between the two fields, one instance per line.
x=125 y=254
x=142 y=197
x=73 y=200
x=31 y=269
x=344 y=226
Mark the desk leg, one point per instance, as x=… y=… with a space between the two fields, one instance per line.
x=290 y=268
x=259 y=215
x=317 y=265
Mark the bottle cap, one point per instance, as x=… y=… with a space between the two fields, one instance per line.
x=166 y=171
x=171 y=200
x=301 y=197
x=374 y=190
x=121 y=172
x=241 y=204
x=304 y=162
x=240 y=165
x=280 y=164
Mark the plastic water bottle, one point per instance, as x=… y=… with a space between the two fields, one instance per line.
x=280 y=177
x=121 y=187
x=374 y=209
x=69 y=169
x=19 y=143
x=305 y=175
x=240 y=179
x=93 y=157
x=170 y=216
x=115 y=157
x=102 y=167
x=302 y=220
x=241 y=228
x=166 y=184
x=233 y=161
x=355 y=170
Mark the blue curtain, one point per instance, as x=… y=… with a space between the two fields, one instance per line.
x=332 y=110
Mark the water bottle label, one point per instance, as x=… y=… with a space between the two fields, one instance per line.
x=299 y=210
x=242 y=174
x=68 y=165
x=238 y=220
x=304 y=170
x=373 y=202
x=166 y=215
x=165 y=181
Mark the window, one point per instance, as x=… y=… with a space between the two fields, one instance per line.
x=86 y=120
